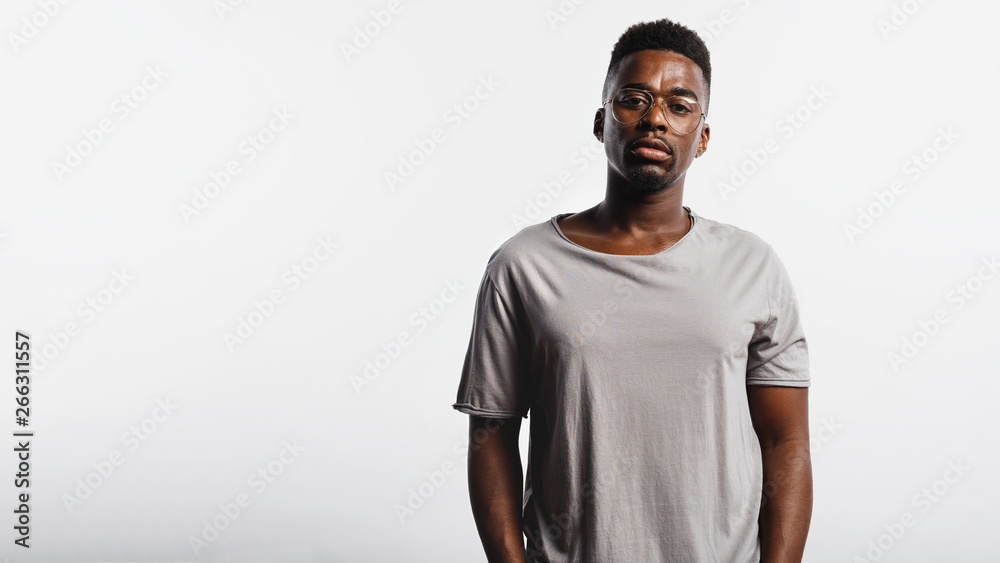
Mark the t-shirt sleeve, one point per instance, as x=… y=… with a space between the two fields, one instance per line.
x=494 y=381
x=778 y=352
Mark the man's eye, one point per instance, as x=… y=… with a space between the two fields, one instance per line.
x=633 y=101
x=680 y=108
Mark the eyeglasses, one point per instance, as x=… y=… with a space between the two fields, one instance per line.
x=629 y=105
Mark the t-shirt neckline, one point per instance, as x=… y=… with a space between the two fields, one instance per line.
x=555 y=225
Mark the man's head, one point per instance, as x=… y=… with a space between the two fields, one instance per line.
x=661 y=35
x=664 y=58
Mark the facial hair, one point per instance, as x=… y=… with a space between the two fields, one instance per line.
x=646 y=181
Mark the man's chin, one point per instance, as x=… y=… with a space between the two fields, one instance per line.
x=647 y=181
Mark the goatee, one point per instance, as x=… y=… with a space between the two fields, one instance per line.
x=645 y=181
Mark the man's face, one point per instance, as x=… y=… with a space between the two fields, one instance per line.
x=663 y=72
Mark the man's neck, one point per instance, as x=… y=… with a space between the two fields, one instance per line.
x=643 y=215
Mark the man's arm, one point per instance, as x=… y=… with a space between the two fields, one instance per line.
x=780 y=417
x=495 y=486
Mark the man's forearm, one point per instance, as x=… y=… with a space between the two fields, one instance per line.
x=786 y=503
x=495 y=481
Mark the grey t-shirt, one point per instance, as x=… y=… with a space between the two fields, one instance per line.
x=634 y=369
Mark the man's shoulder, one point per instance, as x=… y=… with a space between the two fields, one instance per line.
x=732 y=237
x=522 y=247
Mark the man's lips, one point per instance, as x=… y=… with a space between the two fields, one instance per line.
x=651 y=154
x=651 y=148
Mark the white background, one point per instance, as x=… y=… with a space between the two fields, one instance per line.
x=890 y=432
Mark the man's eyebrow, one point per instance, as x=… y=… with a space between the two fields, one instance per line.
x=676 y=90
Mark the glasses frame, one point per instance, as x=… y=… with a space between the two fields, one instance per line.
x=661 y=105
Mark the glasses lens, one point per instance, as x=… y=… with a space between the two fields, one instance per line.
x=629 y=106
x=683 y=114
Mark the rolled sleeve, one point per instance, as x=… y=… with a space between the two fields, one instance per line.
x=494 y=376
x=778 y=353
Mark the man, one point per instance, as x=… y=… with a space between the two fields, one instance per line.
x=660 y=354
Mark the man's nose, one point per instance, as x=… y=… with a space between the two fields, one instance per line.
x=657 y=116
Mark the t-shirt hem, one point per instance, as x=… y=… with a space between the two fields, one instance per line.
x=469 y=409
x=780 y=382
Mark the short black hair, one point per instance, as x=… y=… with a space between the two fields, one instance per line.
x=662 y=35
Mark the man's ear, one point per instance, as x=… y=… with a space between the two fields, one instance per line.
x=599 y=125
x=706 y=132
